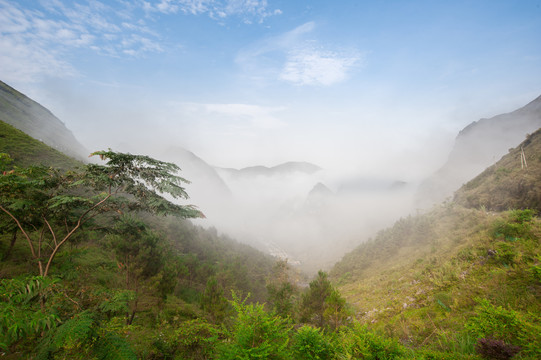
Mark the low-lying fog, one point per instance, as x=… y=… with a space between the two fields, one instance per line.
x=373 y=92
x=310 y=215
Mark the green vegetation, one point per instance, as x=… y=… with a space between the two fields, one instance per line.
x=463 y=278
x=27 y=151
x=25 y=114
x=425 y=278
x=92 y=270
x=510 y=183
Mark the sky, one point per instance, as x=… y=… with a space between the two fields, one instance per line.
x=380 y=87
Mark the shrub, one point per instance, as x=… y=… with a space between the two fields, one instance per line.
x=517 y=225
x=497 y=323
x=255 y=334
x=197 y=339
x=507 y=325
x=505 y=253
x=310 y=343
x=358 y=342
x=536 y=270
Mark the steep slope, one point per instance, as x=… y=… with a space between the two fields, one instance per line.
x=30 y=117
x=206 y=187
x=425 y=278
x=477 y=146
x=200 y=253
x=26 y=151
x=514 y=182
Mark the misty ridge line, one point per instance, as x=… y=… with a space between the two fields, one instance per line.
x=299 y=210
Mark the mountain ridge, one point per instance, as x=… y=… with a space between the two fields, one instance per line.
x=430 y=274
x=280 y=169
x=39 y=122
x=477 y=146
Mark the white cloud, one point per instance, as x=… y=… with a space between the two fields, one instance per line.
x=23 y=62
x=216 y=9
x=38 y=43
x=311 y=66
x=43 y=37
x=297 y=58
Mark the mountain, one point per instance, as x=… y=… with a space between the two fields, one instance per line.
x=26 y=151
x=514 y=182
x=35 y=120
x=478 y=146
x=436 y=279
x=291 y=167
x=206 y=188
x=320 y=190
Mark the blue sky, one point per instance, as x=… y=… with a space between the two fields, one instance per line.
x=353 y=84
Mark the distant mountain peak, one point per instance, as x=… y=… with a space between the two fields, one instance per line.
x=289 y=167
x=320 y=189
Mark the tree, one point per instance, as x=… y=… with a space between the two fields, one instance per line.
x=49 y=207
x=281 y=291
x=138 y=255
x=213 y=301
x=313 y=301
x=336 y=312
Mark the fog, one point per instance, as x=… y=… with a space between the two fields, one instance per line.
x=373 y=93
x=369 y=170
x=373 y=169
x=310 y=215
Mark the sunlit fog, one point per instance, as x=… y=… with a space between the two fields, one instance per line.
x=304 y=127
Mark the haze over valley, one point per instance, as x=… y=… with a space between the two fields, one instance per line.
x=365 y=100
x=269 y=179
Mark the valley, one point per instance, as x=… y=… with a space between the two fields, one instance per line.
x=287 y=261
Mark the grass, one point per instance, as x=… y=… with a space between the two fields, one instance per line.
x=421 y=287
x=421 y=280
x=26 y=151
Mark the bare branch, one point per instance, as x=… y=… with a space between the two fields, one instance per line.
x=22 y=230
x=51 y=230
x=77 y=226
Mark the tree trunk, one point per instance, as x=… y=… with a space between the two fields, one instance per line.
x=11 y=245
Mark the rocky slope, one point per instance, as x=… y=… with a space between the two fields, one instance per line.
x=478 y=146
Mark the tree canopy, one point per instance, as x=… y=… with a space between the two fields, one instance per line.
x=49 y=206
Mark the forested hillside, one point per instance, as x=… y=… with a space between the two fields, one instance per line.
x=123 y=271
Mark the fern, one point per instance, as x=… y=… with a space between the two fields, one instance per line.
x=75 y=332
x=113 y=347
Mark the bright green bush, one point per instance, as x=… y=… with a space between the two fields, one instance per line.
x=83 y=337
x=517 y=225
x=310 y=343
x=358 y=342
x=255 y=334
x=21 y=315
x=510 y=326
x=496 y=322
x=197 y=339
